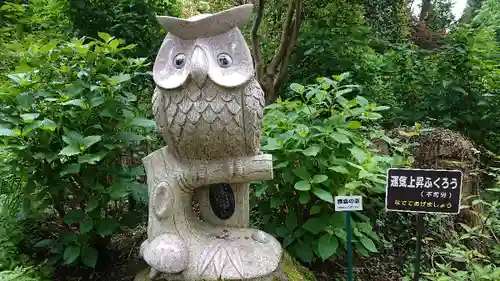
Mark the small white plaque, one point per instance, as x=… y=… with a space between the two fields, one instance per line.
x=348 y=203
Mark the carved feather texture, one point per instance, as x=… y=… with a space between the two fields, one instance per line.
x=210 y=123
x=235 y=259
x=219 y=261
x=219 y=255
x=208 y=256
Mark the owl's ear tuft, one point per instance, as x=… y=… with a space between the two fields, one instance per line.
x=207 y=25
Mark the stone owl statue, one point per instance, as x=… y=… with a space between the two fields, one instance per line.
x=209 y=109
x=207 y=102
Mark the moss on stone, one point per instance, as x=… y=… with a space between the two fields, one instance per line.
x=294 y=271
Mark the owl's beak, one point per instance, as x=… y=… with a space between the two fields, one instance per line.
x=199 y=66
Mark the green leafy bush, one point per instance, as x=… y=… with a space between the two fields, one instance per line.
x=388 y=19
x=20 y=274
x=30 y=21
x=20 y=18
x=455 y=87
x=489 y=16
x=467 y=253
x=132 y=20
x=317 y=55
x=472 y=255
x=322 y=147
x=10 y=233
x=68 y=112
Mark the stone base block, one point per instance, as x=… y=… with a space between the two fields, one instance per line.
x=288 y=270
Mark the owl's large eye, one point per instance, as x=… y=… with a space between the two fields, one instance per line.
x=224 y=60
x=179 y=61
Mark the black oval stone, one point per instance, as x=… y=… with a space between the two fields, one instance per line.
x=222 y=200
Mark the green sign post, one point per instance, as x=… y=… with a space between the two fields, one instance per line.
x=347 y=204
x=348 y=230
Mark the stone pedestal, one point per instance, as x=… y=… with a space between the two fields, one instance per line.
x=288 y=270
x=182 y=247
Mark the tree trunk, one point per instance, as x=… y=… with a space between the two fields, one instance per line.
x=270 y=75
x=426 y=9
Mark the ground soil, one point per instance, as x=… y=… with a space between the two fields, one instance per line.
x=374 y=268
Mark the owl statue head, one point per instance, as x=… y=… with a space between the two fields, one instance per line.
x=207 y=46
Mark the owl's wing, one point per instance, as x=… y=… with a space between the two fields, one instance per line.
x=253 y=108
x=164 y=110
x=159 y=101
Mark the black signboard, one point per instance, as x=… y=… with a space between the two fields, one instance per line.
x=423 y=191
x=222 y=200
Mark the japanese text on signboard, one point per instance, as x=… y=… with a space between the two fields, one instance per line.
x=415 y=190
x=348 y=203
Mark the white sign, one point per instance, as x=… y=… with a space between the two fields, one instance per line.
x=348 y=203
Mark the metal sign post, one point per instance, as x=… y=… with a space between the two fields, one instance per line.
x=418 y=251
x=423 y=191
x=348 y=230
x=347 y=204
